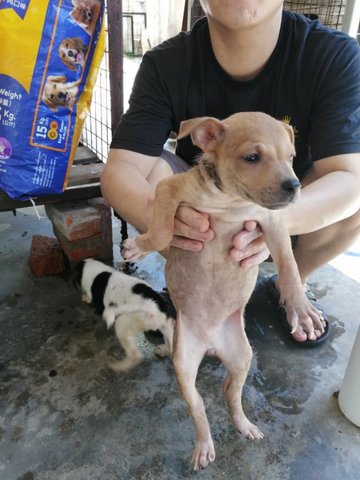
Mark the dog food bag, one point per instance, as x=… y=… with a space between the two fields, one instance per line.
x=50 y=55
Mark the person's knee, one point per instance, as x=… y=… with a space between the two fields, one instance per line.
x=351 y=224
x=160 y=171
x=106 y=181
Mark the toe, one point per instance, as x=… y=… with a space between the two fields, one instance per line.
x=299 y=335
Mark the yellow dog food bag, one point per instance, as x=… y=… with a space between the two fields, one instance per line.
x=51 y=53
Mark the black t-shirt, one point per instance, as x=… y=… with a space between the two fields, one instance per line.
x=311 y=80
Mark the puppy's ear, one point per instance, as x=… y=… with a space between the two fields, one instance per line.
x=206 y=132
x=56 y=78
x=49 y=103
x=76 y=273
x=290 y=131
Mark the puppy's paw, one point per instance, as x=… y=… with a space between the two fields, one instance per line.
x=124 y=365
x=85 y=298
x=204 y=454
x=248 y=429
x=162 y=351
x=130 y=250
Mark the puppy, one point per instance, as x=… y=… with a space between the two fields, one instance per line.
x=72 y=52
x=129 y=303
x=59 y=93
x=244 y=174
x=85 y=13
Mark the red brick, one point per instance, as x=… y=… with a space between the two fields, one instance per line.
x=77 y=250
x=75 y=220
x=106 y=227
x=46 y=256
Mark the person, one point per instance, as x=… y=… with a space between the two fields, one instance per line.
x=249 y=55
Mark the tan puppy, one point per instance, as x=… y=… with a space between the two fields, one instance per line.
x=245 y=174
x=59 y=93
x=72 y=52
x=85 y=13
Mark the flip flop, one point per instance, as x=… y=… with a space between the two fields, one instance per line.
x=275 y=297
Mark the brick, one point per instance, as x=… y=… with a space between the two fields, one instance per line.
x=46 y=256
x=77 y=250
x=75 y=220
x=106 y=227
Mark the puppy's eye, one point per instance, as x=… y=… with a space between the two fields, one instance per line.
x=251 y=157
x=52 y=96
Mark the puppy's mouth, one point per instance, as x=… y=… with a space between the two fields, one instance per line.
x=64 y=97
x=273 y=200
x=278 y=205
x=75 y=56
x=78 y=57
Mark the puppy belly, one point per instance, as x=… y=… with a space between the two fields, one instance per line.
x=207 y=288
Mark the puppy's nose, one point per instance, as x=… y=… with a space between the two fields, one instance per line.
x=290 y=185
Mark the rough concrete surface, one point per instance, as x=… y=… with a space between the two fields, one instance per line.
x=64 y=415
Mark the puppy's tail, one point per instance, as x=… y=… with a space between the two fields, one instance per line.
x=109 y=316
x=112 y=312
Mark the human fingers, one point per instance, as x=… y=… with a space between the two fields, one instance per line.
x=242 y=239
x=194 y=219
x=253 y=253
x=187 y=244
x=186 y=231
x=251 y=225
x=255 y=260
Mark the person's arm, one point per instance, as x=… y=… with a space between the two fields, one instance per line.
x=125 y=188
x=331 y=194
x=128 y=184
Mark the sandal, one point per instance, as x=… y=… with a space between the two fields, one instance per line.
x=275 y=297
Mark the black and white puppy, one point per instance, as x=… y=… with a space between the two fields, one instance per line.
x=128 y=303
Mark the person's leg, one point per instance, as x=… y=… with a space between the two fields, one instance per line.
x=315 y=249
x=167 y=165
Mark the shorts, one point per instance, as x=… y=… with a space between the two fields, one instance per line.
x=177 y=164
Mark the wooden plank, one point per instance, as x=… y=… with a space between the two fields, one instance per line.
x=84 y=183
x=83 y=154
x=83 y=174
x=78 y=193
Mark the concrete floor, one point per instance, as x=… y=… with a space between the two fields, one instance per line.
x=65 y=416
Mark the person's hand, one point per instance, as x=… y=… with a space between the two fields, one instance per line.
x=191 y=229
x=249 y=247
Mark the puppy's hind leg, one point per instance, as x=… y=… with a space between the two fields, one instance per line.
x=126 y=332
x=235 y=352
x=166 y=349
x=188 y=353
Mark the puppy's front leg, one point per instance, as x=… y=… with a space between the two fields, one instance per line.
x=299 y=310
x=161 y=228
